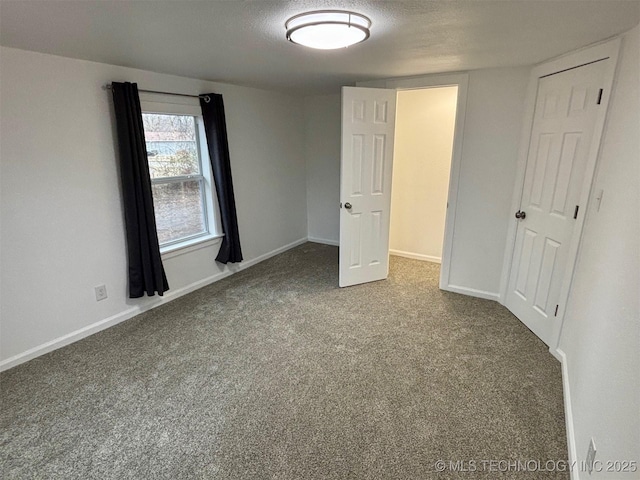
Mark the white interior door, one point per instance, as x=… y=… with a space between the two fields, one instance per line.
x=565 y=115
x=368 y=128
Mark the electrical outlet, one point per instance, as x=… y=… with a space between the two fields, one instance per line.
x=101 y=292
x=591 y=456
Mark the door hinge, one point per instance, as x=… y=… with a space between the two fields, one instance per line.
x=600 y=96
x=556 y=313
x=575 y=213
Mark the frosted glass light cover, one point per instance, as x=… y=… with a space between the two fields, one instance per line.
x=328 y=30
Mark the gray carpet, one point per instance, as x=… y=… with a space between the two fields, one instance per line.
x=275 y=373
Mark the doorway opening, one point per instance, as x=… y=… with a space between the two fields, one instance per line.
x=368 y=137
x=424 y=140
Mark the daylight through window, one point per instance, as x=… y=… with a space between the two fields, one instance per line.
x=178 y=183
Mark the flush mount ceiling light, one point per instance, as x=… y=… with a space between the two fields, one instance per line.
x=328 y=29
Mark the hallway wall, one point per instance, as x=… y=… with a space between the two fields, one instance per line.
x=425 y=123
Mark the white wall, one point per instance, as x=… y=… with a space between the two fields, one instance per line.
x=322 y=142
x=62 y=221
x=601 y=331
x=425 y=121
x=495 y=107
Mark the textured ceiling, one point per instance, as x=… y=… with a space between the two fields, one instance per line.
x=242 y=42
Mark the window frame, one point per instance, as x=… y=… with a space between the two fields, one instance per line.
x=168 y=105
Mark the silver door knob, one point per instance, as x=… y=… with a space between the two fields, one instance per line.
x=347 y=206
x=521 y=215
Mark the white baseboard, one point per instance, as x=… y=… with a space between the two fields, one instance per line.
x=325 y=241
x=136 y=310
x=415 y=256
x=472 y=292
x=272 y=253
x=568 y=415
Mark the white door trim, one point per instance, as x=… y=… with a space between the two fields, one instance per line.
x=590 y=54
x=461 y=80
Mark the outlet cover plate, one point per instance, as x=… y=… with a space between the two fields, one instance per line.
x=101 y=292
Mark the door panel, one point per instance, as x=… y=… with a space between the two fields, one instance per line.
x=564 y=120
x=368 y=128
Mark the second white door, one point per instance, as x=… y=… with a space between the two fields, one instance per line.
x=564 y=119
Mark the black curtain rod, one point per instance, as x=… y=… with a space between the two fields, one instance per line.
x=205 y=97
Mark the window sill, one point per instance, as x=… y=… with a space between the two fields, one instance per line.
x=190 y=246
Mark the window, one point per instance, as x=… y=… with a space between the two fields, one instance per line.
x=180 y=179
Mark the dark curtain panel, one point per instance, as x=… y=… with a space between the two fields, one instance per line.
x=216 y=129
x=146 y=273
